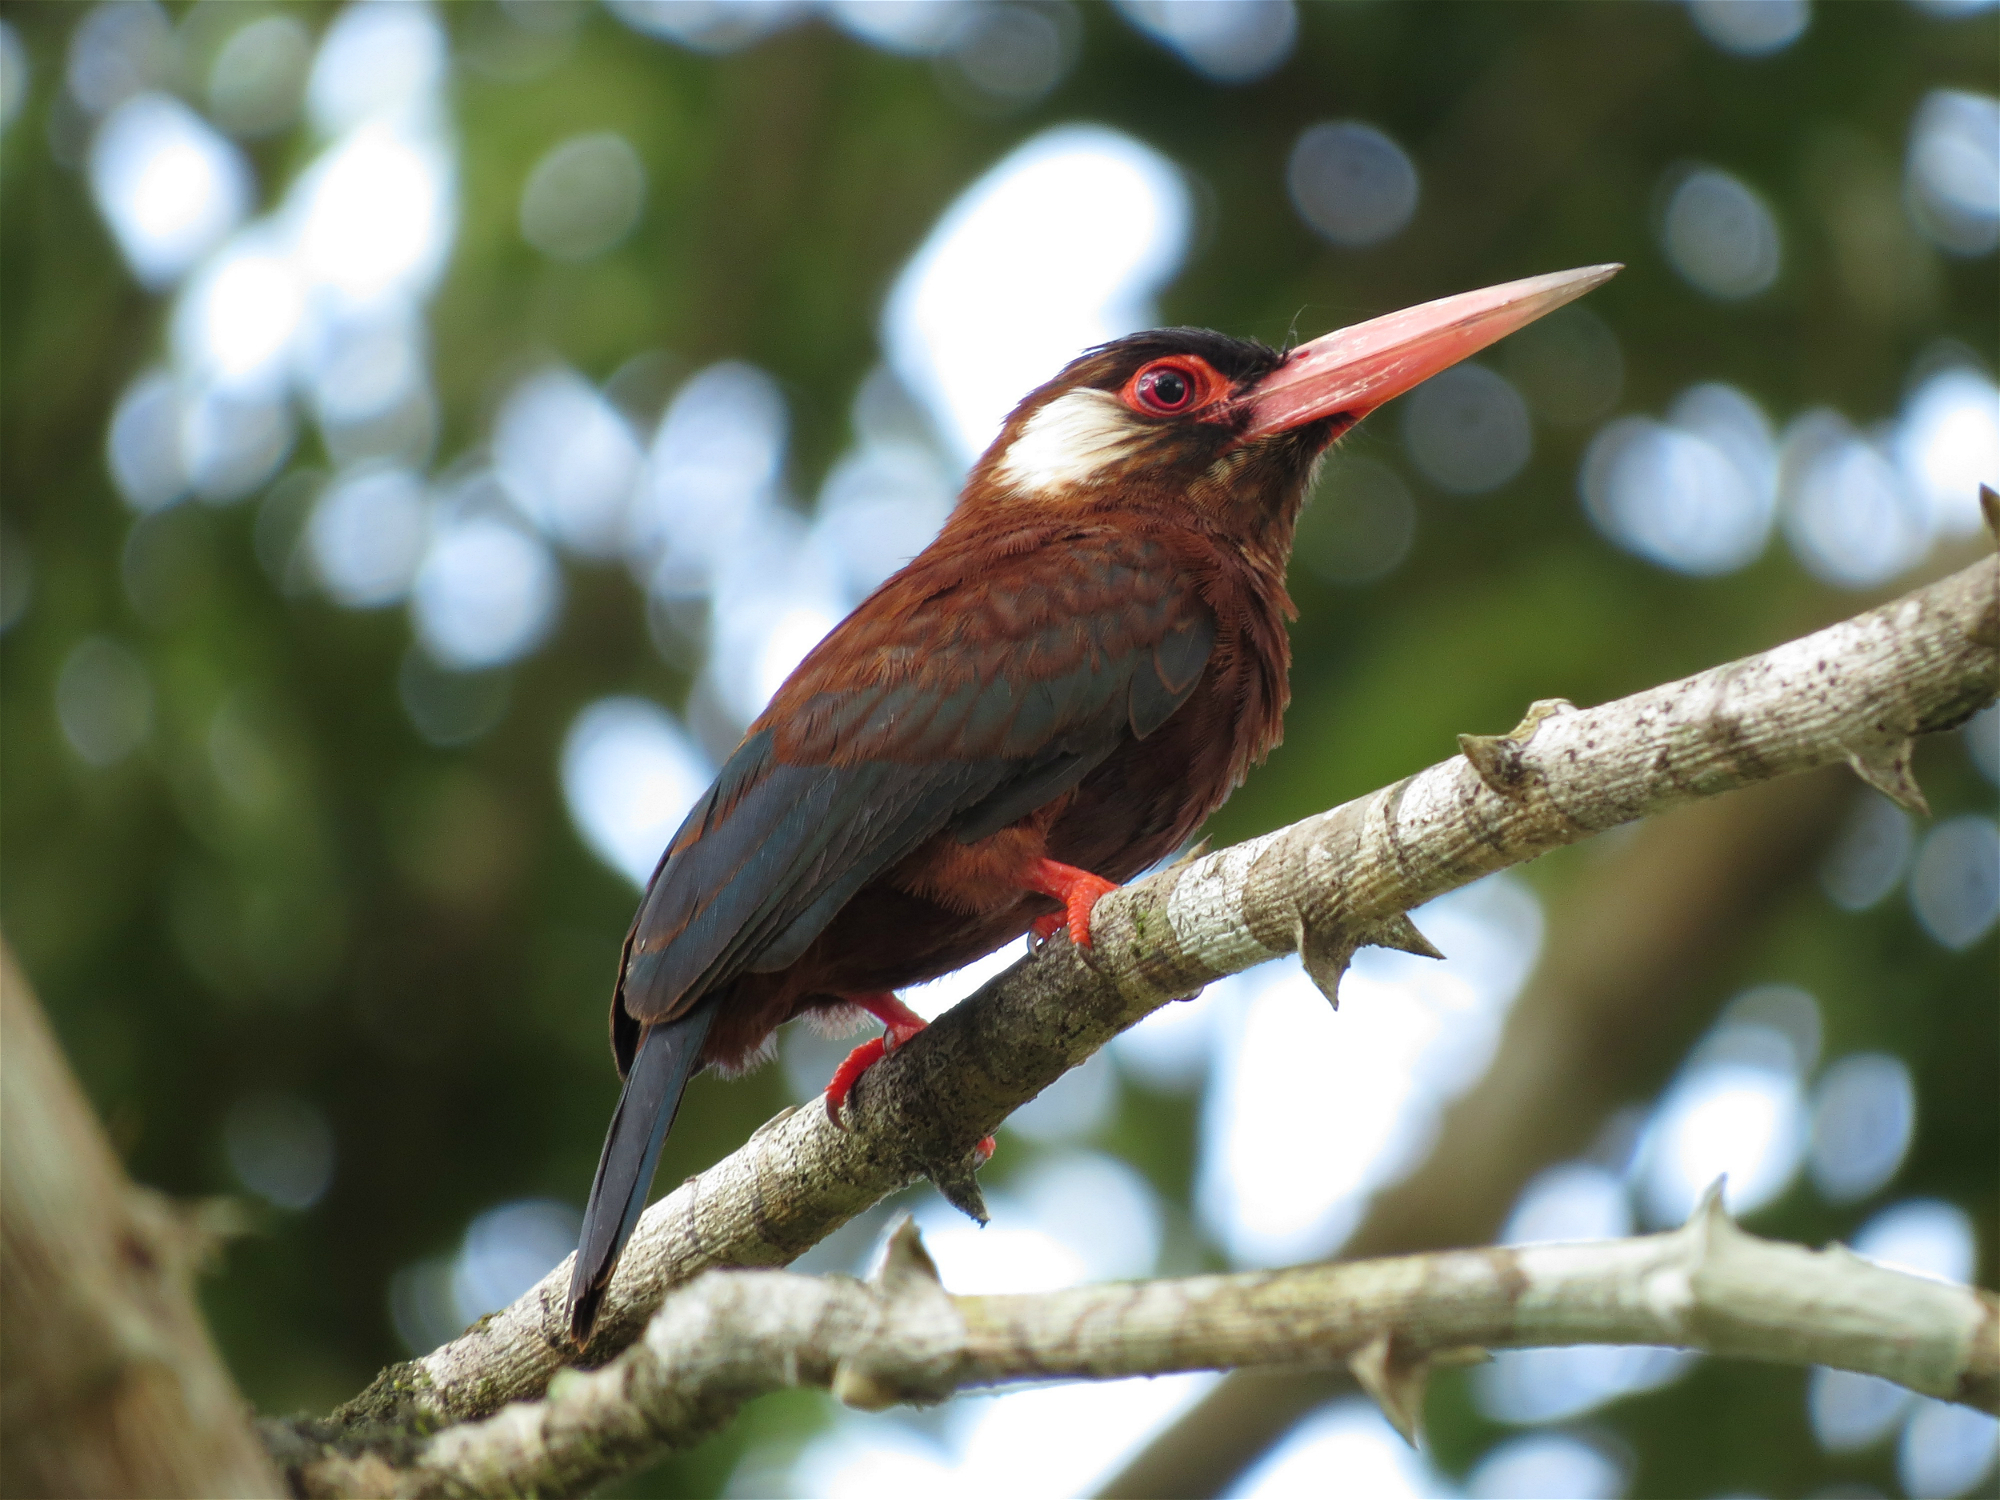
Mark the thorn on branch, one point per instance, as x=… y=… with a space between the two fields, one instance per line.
x=1325 y=950
x=1711 y=1226
x=1989 y=506
x=1400 y=933
x=918 y=1340
x=1395 y=1375
x=957 y=1183
x=1887 y=769
x=906 y=1263
x=1497 y=757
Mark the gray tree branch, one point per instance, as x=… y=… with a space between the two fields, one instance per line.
x=1856 y=692
x=1635 y=962
x=729 y=1337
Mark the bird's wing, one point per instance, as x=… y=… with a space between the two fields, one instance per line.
x=961 y=696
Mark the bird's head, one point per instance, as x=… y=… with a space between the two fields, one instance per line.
x=1229 y=428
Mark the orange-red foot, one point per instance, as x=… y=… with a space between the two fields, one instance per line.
x=1078 y=891
x=851 y=1068
x=902 y=1023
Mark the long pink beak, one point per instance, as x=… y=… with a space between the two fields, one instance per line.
x=1354 y=370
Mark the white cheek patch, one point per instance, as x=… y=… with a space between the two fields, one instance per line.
x=1068 y=441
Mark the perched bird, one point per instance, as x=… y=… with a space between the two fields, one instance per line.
x=1048 y=699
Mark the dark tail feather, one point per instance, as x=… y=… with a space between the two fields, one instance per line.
x=667 y=1058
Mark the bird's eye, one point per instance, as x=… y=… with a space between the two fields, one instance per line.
x=1164 y=388
x=1179 y=385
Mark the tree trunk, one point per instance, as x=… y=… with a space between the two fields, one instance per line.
x=109 y=1385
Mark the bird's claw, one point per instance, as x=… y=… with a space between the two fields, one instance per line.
x=851 y=1068
x=1078 y=890
x=858 y=1062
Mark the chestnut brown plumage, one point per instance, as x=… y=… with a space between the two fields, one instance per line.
x=1050 y=698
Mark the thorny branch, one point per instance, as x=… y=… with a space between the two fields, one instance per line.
x=1858 y=692
x=729 y=1337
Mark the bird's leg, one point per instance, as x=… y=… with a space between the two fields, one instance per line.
x=1078 y=891
x=902 y=1023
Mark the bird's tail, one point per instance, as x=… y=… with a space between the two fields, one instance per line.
x=667 y=1057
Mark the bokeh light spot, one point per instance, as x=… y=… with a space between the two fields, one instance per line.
x=143 y=446
x=1100 y=1207
x=1360 y=523
x=120 y=49
x=1870 y=855
x=13 y=75
x=1001 y=56
x=880 y=506
x=104 y=701
x=629 y=775
x=714 y=26
x=507 y=1250
x=1548 y=1466
x=1046 y=1440
x=233 y=443
x=1348 y=1447
x=1848 y=515
x=1696 y=493
x=1955 y=883
x=1720 y=235
x=583 y=196
x=1736 y=1110
x=380 y=60
x=1924 y=1236
x=569 y=459
x=281 y=1148
x=1851 y=1411
x=913 y=27
x=447 y=707
x=1059 y=247
x=237 y=320
x=485 y=594
x=1982 y=741
x=1059 y=1439
x=257 y=80
x=1751 y=28
x=1075 y=1107
x=366 y=535
x=1952 y=171
x=375 y=214
x=167 y=183
x=1948 y=444
x=714 y=462
x=1864 y=1114
x=1352 y=183
x=1411 y=1033
x=1528 y=1386
x=1947 y=1449
x=1570 y=1201
x=1467 y=430
x=1231 y=41
x=1568 y=365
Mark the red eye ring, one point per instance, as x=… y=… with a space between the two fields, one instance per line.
x=1172 y=387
